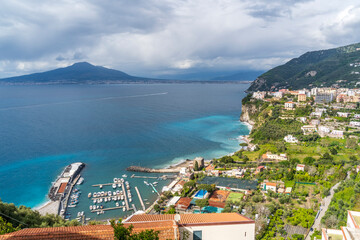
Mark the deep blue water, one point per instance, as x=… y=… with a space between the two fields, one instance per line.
x=109 y=127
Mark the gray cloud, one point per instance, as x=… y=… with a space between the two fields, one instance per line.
x=151 y=37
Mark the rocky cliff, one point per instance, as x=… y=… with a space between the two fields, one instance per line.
x=248 y=111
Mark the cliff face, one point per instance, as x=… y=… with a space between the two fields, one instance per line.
x=247 y=113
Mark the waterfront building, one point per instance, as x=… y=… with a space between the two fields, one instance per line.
x=200 y=162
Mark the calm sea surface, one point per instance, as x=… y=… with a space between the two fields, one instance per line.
x=109 y=127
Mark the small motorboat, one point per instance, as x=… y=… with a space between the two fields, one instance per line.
x=114 y=185
x=89 y=195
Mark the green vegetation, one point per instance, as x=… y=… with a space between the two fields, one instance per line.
x=235 y=197
x=25 y=217
x=327 y=65
x=126 y=233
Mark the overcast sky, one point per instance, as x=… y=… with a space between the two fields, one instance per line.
x=157 y=38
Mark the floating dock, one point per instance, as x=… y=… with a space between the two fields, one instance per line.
x=107 y=209
x=125 y=196
x=140 y=198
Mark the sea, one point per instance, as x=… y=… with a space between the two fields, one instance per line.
x=43 y=128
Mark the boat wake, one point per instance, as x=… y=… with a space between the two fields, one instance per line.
x=81 y=101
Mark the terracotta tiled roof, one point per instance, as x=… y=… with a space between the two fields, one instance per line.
x=167 y=230
x=217 y=204
x=60 y=233
x=271 y=184
x=219 y=195
x=183 y=203
x=195 y=219
x=62 y=187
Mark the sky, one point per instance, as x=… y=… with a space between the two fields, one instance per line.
x=165 y=38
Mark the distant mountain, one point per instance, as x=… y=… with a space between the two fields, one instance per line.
x=81 y=72
x=337 y=66
x=240 y=76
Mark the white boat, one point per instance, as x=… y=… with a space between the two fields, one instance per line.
x=123 y=203
x=89 y=195
x=146 y=183
x=90 y=207
x=81 y=180
x=130 y=200
x=94 y=201
x=114 y=193
x=122 y=197
x=114 y=185
x=105 y=200
x=115 y=180
x=98 y=213
x=117 y=204
x=127 y=183
x=124 y=175
x=119 y=184
x=109 y=193
x=94 y=194
x=123 y=209
x=100 y=186
x=155 y=183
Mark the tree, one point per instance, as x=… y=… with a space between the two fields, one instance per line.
x=125 y=233
x=309 y=160
x=333 y=151
x=196 y=166
x=6 y=227
x=157 y=208
x=201 y=203
x=351 y=143
x=332 y=221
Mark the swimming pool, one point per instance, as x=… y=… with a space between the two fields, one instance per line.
x=209 y=209
x=201 y=193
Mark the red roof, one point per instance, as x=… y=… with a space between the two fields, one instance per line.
x=183 y=203
x=217 y=204
x=270 y=184
x=62 y=187
x=195 y=219
x=167 y=230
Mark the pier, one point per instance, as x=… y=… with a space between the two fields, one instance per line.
x=107 y=209
x=125 y=196
x=154 y=189
x=65 y=204
x=140 y=198
x=151 y=170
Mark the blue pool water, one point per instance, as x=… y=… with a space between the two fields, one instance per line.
x=201 y=193
x=109 y=127
x=209 y=209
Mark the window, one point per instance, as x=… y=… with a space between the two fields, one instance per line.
x=197 y=235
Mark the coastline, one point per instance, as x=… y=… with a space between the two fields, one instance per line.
x=186 y=162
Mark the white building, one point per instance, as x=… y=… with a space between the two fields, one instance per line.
x=323 y=129
x=308 y=129
x=300 y=167
x=302 y=119
x=350 y=232
x=290 y=139
x=289 y=105
x=272 y=156
x=354 y=124
x=336 y=134
x=209 y=226
x=343 y=114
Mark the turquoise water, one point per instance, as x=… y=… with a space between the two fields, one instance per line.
x=209 y=209
x=201 y=193
x=109 y=127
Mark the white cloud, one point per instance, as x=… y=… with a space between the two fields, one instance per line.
x=146 y=37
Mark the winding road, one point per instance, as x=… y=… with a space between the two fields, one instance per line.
x=324 y=207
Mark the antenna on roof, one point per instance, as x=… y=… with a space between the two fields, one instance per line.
x=177 y=217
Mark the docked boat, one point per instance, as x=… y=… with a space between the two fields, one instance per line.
x=117 y=204
x=146 y=183
x=101 y=186
x=119 y=184
x=123 y=203
x=155 y=183
x=89 y=195
x=130 y=200
x=115 y=180
x=114 y=185
x=123 y=209
x=94 y=201
x=80 y=181
x=124 y=176
x=91 y=207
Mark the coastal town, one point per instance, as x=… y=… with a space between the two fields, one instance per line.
x=296 y=175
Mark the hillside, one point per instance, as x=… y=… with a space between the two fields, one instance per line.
x=81 y=72
x=318 y=68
